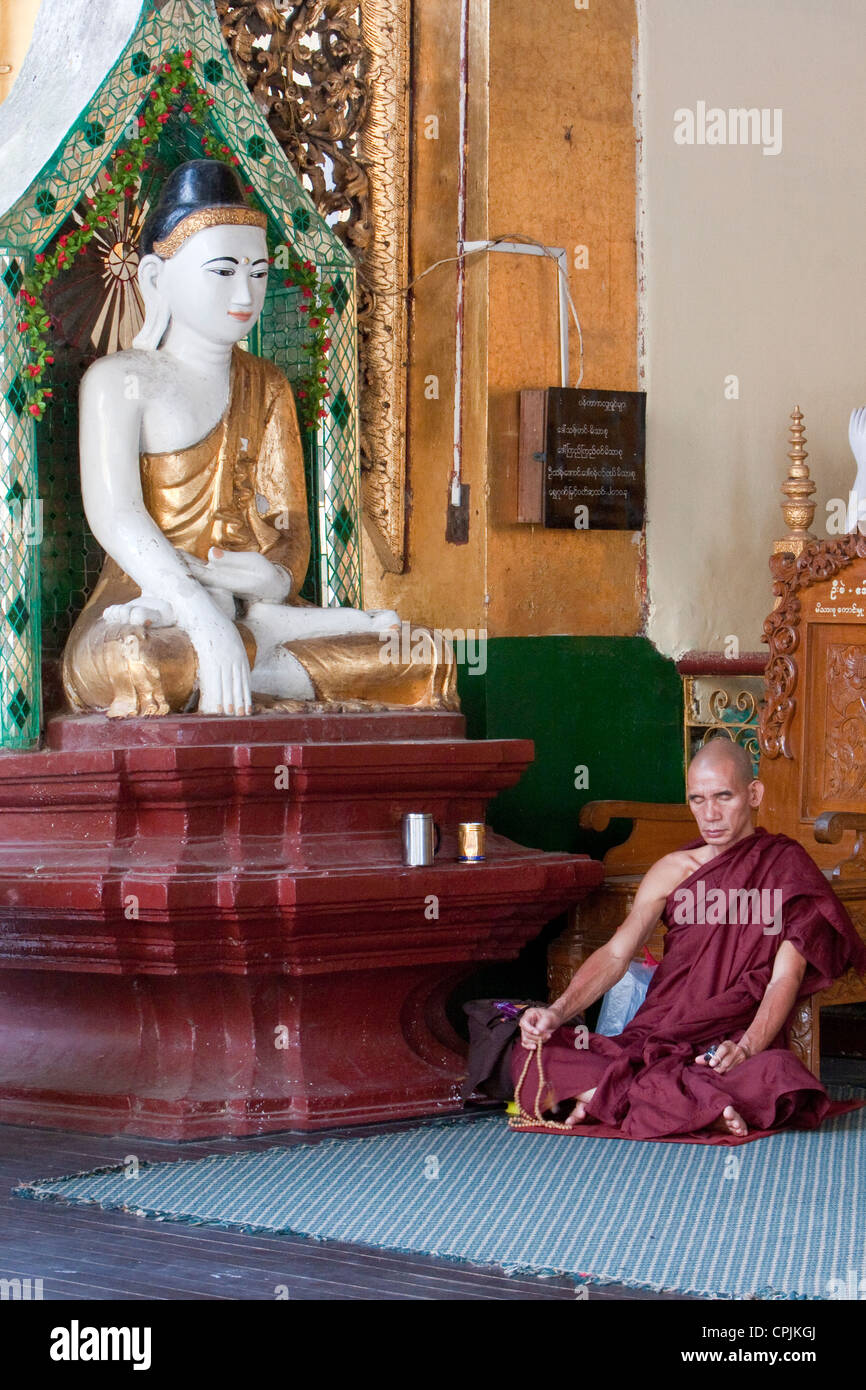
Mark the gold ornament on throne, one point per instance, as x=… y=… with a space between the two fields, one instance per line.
x=798 y=509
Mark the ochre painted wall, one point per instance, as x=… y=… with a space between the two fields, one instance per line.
x=561 y=170
x=551 y=155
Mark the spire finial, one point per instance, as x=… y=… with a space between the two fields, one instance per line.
x=798 y=511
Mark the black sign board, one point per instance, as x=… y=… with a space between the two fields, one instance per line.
x=594 y=474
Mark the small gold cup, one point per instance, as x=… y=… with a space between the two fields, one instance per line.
x=470 y=842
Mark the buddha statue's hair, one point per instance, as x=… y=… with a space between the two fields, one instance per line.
x=205 y=191
x=201 y=193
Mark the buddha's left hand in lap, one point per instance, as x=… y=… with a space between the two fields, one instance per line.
x=244 y=573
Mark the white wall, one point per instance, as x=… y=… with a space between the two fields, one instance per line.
x=754 y=265
x=69 y=55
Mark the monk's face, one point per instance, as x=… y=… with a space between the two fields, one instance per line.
x=215 y=284
x=722 y=800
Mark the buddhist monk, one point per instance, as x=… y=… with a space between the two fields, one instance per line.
x=752 y=927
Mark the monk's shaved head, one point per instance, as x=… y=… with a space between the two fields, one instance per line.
x=721 y=750
x=723 y=792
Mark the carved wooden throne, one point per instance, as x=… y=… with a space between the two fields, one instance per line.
x=812 y=729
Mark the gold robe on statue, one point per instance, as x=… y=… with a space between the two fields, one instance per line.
x=241 y=488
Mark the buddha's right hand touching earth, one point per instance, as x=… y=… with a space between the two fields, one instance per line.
x=223 y=668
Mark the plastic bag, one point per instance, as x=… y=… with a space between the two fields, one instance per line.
x=623 y=999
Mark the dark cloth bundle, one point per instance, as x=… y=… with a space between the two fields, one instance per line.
x=493 y=1026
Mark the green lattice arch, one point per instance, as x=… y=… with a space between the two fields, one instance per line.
x=70 y=557
x=20 y=633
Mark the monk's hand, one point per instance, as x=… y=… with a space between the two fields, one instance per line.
x=728 y=1054
x=244 y=573
x=538 y=1025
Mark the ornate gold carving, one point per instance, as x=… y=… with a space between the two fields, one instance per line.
x=207 y=217
x=332 y=77
x=845 y=764
x=817 y=561
x=383 y=149
x=744 y=703
x=143 y=678
x=798 y=510
x=306 y=66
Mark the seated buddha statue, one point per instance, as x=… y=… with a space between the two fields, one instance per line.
x=192 y=478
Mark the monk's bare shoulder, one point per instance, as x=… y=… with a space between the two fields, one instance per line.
x=673 y=869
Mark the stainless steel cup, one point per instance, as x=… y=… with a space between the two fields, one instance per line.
x=420 y=838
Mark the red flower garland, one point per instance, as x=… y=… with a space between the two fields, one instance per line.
x=315 y=302
x=176 y=80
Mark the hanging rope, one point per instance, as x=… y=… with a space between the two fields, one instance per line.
x=487 y=246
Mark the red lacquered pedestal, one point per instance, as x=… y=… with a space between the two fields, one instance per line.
x=206 y=928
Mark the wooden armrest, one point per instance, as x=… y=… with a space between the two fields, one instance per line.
x=659 y=827
x=829 y=828
x=597 y=815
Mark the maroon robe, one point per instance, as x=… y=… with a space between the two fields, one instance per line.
x=707 y=988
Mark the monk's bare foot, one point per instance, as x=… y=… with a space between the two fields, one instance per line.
x=730 y=1122
x=578 y=1114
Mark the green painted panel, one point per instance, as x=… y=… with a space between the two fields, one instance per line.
x=473 y=699
x=610 y=704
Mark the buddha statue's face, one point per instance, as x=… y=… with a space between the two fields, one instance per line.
x=215 y=283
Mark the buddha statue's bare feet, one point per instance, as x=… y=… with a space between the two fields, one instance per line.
x=730 y=1122
x=578 y=1115
x=382 y=619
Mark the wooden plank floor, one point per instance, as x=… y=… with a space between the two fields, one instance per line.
x=84 y=1253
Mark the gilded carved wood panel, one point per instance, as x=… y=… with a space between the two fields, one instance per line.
x=333 y=77
x=794 y=575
